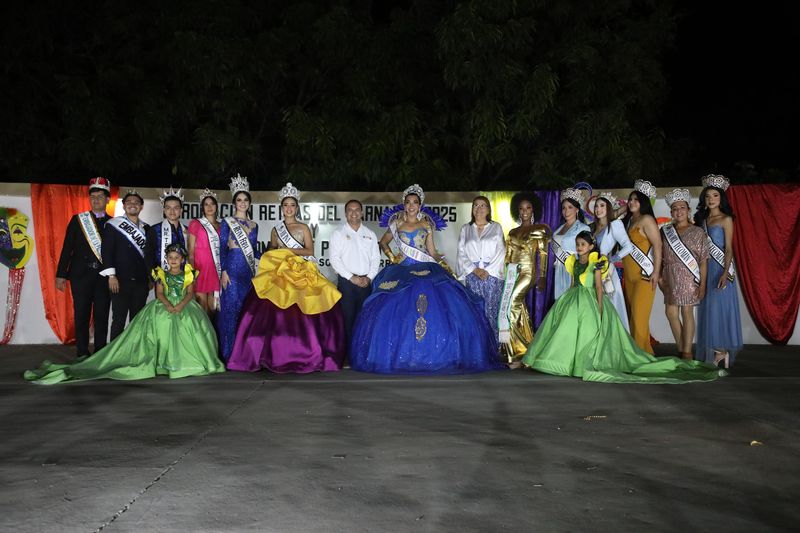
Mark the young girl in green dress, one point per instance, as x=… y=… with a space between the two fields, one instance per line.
x=171 y=336
x=582 y=335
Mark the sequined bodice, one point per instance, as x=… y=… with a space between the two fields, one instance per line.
x=174 y=289
x=415 y=238
x=297 y=234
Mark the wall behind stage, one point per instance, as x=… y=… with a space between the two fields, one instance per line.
x=323 y=211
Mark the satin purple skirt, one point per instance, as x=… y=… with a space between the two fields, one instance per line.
x=287 y=340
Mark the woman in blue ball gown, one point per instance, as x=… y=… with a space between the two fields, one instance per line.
x=719 y=325
x=419 y=319
x=238 y=258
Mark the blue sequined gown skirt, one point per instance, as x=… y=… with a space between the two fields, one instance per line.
x=419 y=320
x=231 y=300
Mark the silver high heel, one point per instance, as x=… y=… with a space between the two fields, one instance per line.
x=723 y=357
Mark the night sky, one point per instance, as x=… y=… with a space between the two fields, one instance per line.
x=735 y=84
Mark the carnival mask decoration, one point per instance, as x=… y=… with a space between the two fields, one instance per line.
x=16 y=246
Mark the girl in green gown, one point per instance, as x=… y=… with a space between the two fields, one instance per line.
x=171 y=336
x=582 y=335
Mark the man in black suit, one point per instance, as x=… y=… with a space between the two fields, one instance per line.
x=124 y=264
x=81 y=262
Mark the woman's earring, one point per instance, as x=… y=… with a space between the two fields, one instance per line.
x=420 y=215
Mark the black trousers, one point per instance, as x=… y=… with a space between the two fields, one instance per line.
x=129 y=300
x=352 y=300
x=90 y=295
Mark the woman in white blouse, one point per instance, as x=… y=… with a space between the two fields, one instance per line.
x=481 y=255
x=611 y=237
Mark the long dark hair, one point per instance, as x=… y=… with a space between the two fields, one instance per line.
x=702 y=211
x=488 y=204
x=577 y=206
x=609 y=213
x=644 y=207
x=525 y=196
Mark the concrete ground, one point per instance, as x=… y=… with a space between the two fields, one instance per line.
x=504 y=451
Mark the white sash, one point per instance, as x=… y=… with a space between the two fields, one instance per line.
x=718 y=255
x=558 y=251
x=680 y=249
x=166 y=240
x=409 y=251
x=240 y=235
x=503 y=319
x=92 y=234
x=213 y=241
x=130 y=231
x=289 y=241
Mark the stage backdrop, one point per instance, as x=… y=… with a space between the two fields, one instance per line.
x=323 y=211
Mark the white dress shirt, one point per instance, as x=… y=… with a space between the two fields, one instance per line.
x=355 y=253
x=487 y=250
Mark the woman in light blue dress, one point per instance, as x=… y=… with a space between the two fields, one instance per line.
x=419 y=319
x=719 y=326
x=611 y=236
x=563 y=241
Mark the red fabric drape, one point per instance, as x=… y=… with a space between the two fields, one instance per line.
x=53 y=206
x=765 y=243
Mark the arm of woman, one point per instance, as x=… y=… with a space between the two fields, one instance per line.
x=191 y=242
x=654 y=236
x=383 y=244
x=620 y=236
x=431 y=246
x=465 y=265
x=224 y=250
x=308 y=243
x=727 y=227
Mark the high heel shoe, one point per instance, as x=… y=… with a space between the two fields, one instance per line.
x=723 y=357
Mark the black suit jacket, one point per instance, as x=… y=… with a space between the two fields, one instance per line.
x=122 y=256
x=77 y=258
x=152 y=251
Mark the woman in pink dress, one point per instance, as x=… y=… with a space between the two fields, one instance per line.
x=204 y=252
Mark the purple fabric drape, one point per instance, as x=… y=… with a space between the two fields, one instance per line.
x=539 y=302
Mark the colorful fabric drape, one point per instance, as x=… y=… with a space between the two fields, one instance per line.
x=765 y=242
x=53 y=207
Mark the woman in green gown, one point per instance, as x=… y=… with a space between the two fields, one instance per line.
x=171 y=336
x=582 y=335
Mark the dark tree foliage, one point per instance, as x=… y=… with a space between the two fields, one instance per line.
x=333 y=94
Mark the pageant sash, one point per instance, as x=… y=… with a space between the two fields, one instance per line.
x=213 y=241
x=643 y=260
x=166 y=240
x=409 y=251
x=719 y=256
x=674 y=241
x=558 y=251
x=91 y=233
x=130 y=231
x=503 y=318
x=289 y=241
x=240 y=235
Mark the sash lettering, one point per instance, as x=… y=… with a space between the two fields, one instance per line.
x=240 y=235
x=719 y=256
x=676 y=244
x=213 y=241
x=130 y=231
x=503 y=319
x=558 y=251
x=289 y=241
x=91 y=233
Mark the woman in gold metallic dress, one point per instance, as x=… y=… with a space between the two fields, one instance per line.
x=524 y=244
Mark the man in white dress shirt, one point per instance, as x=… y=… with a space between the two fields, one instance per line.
x=356 y=259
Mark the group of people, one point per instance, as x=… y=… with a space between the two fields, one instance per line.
x=220 y=303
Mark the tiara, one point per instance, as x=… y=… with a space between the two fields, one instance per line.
x=415 y=189
x=133 y=192
x=171 y=193
x=645 y=187
x=609 y=197
x=239 y=184
x=206 y=193
x=289 y=191
x=100 y=183
x=572 y=194
x=678 y=195
x=716 y=180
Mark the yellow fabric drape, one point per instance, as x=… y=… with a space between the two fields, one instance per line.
x=285 y=279
x=500 y=202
